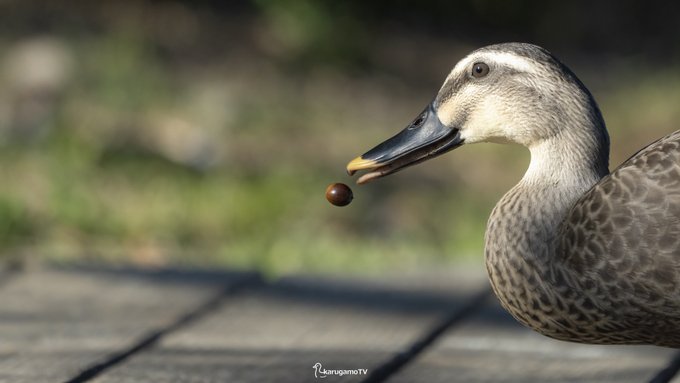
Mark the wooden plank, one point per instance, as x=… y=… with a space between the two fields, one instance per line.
x=492 y=347
x=55 y=323
x=279 y=332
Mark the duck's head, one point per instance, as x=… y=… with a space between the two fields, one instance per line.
x=513 y=92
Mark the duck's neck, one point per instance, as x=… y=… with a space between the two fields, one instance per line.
x=522 y=229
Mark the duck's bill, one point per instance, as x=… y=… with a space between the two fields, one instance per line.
x=424 y=138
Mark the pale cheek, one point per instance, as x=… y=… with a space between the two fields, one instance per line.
x=488 y=119
x=480 y=129
x=455 y=111
x=448 y=113
x=486 y=124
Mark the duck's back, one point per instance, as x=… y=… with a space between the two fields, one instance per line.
x=622 y=242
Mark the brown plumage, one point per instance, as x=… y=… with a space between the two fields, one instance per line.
x=572 y=251
x=611 y=272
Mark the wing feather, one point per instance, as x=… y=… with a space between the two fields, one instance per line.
x=622 y=237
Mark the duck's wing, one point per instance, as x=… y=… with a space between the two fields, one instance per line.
x=622 y=238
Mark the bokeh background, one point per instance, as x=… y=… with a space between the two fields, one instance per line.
x=205 y=132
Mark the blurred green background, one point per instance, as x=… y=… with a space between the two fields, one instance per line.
x=205 y=132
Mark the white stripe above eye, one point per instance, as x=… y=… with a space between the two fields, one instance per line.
x=506 y=59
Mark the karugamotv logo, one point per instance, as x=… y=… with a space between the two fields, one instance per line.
x=320 y=372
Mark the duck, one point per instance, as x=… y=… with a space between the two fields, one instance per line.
x=573 y=251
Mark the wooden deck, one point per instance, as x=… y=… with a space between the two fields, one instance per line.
x=84 y=324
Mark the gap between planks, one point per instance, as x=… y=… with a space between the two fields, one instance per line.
x=666 y=374
x=154 y=336
x=401 y=359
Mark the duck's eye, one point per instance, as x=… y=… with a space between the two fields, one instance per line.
x=480 y=70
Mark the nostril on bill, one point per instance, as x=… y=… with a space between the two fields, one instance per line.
x=418 y=121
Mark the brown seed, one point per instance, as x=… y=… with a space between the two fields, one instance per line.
x=339 y=194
